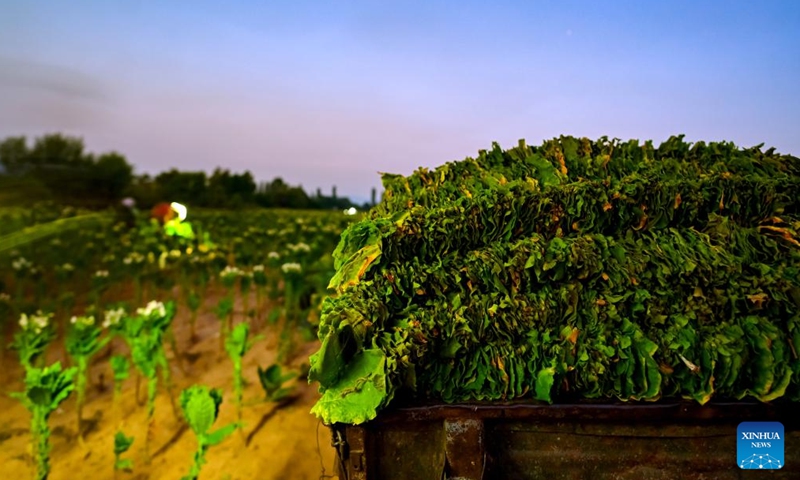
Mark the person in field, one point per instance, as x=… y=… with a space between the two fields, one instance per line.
x=163 y=212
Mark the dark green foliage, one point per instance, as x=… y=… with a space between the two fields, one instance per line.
x=272 y=380
x=122 y=444
x=45 y=389
x=576 y=269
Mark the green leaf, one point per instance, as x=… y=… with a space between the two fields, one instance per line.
x=355 y=398
x=199 y=407
x=122 y=443
x=544 y=384
x=217 y=436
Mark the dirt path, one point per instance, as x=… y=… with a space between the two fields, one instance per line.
x=285 y=445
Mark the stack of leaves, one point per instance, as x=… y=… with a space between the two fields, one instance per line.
x=573 y=270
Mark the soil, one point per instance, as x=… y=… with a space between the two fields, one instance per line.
x=278 y=441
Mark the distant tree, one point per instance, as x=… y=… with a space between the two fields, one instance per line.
x=57 y=150
x=14 y=154
x=217 y=191
x=145 y=192
x=59 y=162
x=186 y=187
x=57 y=167
x=112 y=176
x=278 y=194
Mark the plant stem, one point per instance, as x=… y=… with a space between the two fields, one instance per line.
x=246 y=304
x=167 y=377
x=81 y=387
x=237 y=387
x=152 y=388
x=138 y=388
x=174 y=345
x=259 y=305
x=41 y=435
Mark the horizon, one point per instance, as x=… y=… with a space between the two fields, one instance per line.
x=323 y=96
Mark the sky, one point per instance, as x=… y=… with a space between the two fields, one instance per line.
x=333 y=93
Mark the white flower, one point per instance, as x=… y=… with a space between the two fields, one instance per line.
x=101 y=273
x=67 y=267
x=258 y=268
x=153 y=307
x=113 y=317
x=291 y=267
x=300 y=247
x=133 y=257
x=21 y=263
x=36 y=322
x=86 y=320
x=230 y=271
x=274 y=255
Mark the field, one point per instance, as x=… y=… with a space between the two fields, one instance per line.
x=237 y=311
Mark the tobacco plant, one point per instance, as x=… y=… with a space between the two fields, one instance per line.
x=83 y=342
x=120 y=366
x=245 y=283
x=122 y=444
x=45 y=389
x=145 y=334
x=260 y=282
x=238 y=344
x=200 y=407
x=35 y=334
x=194 y=302
x=272 y=380
x=223 y=312
x=225 y=309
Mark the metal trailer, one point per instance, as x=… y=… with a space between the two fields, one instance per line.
x=585 y=440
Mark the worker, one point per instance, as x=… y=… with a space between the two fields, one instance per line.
x=126 y=212
x=163 y=212
x=171 y=216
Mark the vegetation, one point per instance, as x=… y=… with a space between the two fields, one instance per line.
x=122 y=444
x=57 y=168
x=201 y=407
x=47 y=303
x=45 y=389
x=576 y=269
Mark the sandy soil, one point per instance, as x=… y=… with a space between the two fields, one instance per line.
x=278 y=442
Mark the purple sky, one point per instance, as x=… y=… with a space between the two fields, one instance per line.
x=333 y=95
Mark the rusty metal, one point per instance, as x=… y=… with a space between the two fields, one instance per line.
x=464 y=448
x=526 y=441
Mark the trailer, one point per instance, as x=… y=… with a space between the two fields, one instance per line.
x=583 y=440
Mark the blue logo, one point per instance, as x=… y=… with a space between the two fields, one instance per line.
x=759 y=445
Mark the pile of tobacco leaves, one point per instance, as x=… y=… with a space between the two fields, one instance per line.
x=577 y=269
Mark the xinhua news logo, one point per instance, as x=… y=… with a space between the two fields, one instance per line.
x=759 y=445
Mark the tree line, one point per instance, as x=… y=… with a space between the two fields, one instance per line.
x=57 y=167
